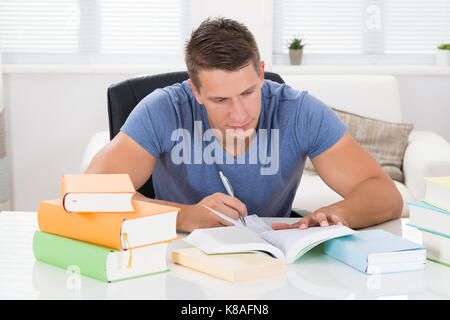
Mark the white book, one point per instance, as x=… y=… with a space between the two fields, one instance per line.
x=425 y=216
x=287 y=245
x=438 y=247
x=98 y=202
x=437 y=192
x=97 y=192
x=398 y=261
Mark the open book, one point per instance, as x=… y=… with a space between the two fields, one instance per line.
x=287 y=245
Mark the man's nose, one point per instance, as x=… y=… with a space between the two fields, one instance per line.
x=238 y=113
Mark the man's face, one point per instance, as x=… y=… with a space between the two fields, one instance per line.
x=232 y=99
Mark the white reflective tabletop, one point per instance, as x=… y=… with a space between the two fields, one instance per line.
x=314 y=276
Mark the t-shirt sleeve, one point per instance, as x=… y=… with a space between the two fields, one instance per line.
x=151 y=122
x=318 y=126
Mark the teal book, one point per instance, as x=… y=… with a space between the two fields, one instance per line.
x=377 y=251
x=98 y=262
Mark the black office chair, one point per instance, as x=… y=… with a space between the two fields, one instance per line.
x=125 y=95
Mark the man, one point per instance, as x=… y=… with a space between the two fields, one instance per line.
x=258 y=133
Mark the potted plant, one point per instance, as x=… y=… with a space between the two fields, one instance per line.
x=443 y=55
x=296 y=51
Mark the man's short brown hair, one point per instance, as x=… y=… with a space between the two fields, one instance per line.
x=220 y=43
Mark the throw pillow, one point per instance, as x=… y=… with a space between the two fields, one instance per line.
x=385 y=141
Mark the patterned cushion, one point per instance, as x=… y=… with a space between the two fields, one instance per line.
x=385 y=141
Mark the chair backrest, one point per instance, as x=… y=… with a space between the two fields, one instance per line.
x=125 y=95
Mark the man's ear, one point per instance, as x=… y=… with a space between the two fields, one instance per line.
x=194 y=90
x=261 y=71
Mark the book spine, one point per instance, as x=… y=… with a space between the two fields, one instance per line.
x=438 y=247
x=63 y=192
x=435 y=203
x=90 y=259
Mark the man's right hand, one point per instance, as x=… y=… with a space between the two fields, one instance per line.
x=197 y=216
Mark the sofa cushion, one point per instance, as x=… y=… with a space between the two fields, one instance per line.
x=385 y=141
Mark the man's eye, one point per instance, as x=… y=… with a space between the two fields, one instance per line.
x=220 y=100
x=248 y=92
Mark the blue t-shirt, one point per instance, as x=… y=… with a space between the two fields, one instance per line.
x=171 y=125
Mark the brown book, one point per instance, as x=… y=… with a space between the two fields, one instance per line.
x=234 y=267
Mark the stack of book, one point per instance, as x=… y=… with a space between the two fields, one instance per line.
x=432 y=217
x=98 y=228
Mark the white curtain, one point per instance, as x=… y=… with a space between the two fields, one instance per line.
x=94 y=31
x=4 y=174
x=362 y=31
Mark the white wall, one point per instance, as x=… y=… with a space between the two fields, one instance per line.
x=426 y=102
x=51 y=117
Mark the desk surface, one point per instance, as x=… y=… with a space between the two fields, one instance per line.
x=314 y=276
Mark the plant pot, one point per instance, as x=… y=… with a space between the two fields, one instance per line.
x=295 y=56
x=443 y=58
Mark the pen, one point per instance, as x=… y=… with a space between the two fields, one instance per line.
x=229 y=189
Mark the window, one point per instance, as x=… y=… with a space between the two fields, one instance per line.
x=362 y=31
x=39 y=26
x=93 y=31
x=416 y=26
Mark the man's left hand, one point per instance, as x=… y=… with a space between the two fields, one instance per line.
x=322 y=217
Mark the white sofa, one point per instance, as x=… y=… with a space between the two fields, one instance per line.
x=375 y=96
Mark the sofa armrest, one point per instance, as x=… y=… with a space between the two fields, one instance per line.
x=427 y=155
x=97 y=142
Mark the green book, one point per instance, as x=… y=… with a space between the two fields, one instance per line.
x=98 y=262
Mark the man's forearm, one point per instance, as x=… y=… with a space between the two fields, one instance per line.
x=140 y=196
x=373 y=201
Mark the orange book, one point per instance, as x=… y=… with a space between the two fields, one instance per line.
x=97 y=192
x=150 y=223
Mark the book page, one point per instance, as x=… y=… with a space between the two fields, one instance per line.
x=229 y=240
x=255 y=224
x=292 y=243
x=295 y=242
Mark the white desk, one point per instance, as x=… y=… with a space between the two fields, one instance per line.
x=315 y=276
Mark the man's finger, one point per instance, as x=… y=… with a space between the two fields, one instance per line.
x=336 y=219
x=228 y=211
x=282 y=225
x=233 y=202
x=219 y=216
x=224 y=223
x=302 y=224
x=320 y=219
